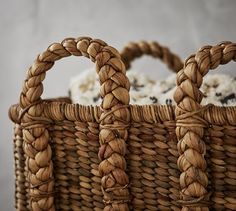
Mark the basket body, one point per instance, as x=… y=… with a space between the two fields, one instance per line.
x=121 y=157
x=151 y=157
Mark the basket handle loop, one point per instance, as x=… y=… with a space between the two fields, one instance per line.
x=190 y=124
x=105 y=56
x=135 y=50
x=115 y=99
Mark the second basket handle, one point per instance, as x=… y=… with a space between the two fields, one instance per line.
x=190 y=125
x=135 y=50
x=113 y=121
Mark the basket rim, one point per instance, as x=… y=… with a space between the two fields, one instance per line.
x=151 y=113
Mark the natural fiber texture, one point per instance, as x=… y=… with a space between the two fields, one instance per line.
x=114 y=91
x=191 y=145
x=119 y=156
x=136 y=49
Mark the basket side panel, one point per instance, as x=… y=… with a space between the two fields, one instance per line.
x=21 y=184
x=221 y=159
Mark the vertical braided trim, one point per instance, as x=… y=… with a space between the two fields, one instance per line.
x=190 y=128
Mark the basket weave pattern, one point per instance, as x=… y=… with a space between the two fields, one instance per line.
x=119 y=156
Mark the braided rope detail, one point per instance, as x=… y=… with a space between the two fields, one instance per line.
x=190 y=128
x=136 y=49
x=115 y=96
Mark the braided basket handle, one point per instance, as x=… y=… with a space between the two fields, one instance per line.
x=113 y=123
x=135 y=50
x=97 y=50
x=190 y=125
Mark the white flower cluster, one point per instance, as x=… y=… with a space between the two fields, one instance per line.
x=218 y=89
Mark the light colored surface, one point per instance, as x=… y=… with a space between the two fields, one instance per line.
x=84 y=89
x=28 y=27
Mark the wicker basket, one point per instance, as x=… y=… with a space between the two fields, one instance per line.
x=119 y=156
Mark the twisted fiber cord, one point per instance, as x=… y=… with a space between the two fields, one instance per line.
x=136 y=49
x=191 y=146
x=115 y=95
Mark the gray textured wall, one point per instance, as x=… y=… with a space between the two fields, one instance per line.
x=28 y=27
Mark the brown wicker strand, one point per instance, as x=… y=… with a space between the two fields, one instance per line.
x=191 y=145
x=136 y=49
x=115 y=94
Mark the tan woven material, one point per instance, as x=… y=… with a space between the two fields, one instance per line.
x=119 y=156
x=136 y=49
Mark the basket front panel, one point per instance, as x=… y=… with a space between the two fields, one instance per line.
x=221 y=160
x=77 y=181
x=151 y=161
x=151 y=158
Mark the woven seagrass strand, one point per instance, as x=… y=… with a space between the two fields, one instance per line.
x=191 y=146
x=136 y=49
x=115 y=94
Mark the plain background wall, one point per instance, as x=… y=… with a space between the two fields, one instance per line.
x=27 y=27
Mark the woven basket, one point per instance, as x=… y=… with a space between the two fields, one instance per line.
x=119 y=156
